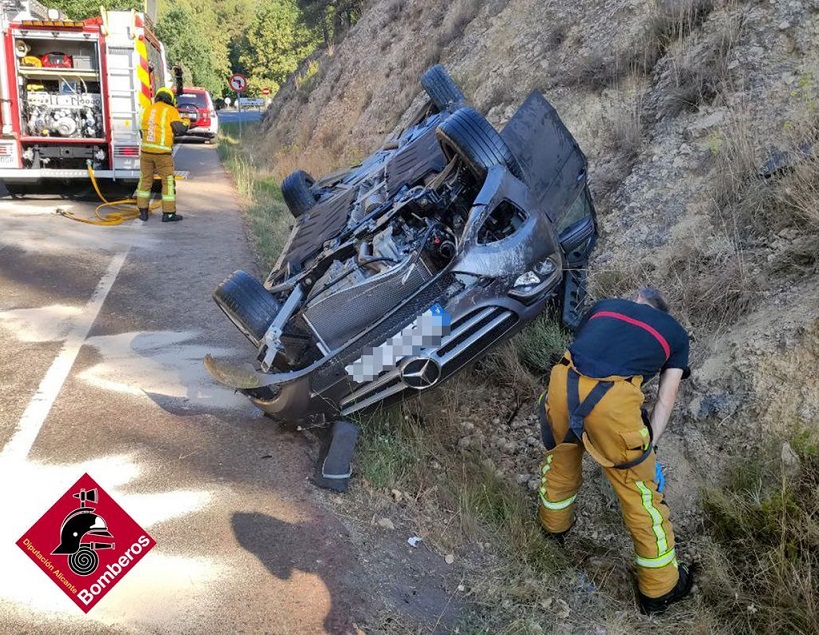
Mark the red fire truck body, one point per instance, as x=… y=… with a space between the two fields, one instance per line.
x=72 y=94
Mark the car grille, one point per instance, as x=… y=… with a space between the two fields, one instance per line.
x=469 y=337
x=334 y=371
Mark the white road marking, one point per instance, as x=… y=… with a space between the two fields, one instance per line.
x=40 y=405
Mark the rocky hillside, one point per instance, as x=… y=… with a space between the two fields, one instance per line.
x=677 y=104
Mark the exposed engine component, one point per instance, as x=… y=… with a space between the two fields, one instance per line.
x=77 y=116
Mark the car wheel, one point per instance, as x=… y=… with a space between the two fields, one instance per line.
x=470 y=137
x=297 y=194
x=247 y=303
x=441 y=89
x=19 y=190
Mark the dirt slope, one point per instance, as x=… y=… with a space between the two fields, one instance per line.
x=676 y=104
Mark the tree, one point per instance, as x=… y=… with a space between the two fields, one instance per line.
x=277 y=41
x=82 y=9
x=187 y=44
x=331 y=18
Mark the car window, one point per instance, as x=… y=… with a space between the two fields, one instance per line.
x=578 y=210
x=193 y=99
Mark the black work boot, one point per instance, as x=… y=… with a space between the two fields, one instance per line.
x=143 y=214
x=558 y=538
x=169 y=218
x=656 y=606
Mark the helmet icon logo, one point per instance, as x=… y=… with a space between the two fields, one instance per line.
x=85 y=564
x=77 y=534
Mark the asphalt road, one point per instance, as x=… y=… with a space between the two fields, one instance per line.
x=102 y=334
x=245 y=116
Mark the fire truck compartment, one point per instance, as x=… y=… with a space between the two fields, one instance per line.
x=60 y=92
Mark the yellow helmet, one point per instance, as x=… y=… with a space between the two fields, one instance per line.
x=165 y=95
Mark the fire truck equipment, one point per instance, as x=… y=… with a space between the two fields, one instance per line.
x=57 y=60
x=21 y=48
x=73 y=92
x=74 y=116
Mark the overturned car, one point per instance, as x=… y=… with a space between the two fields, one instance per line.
x=402 y=270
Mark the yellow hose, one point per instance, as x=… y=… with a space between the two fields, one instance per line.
x=127 y=208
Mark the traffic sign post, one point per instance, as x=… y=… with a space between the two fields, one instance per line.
x=238 y=83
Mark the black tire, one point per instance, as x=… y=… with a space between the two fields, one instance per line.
x=470 y=137
x=297 y=193
x=443 y=92
x=247 y=303
x=19 y=190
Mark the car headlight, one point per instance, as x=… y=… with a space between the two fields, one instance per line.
x=546 y=268
x=527 y=279
x=532 y=284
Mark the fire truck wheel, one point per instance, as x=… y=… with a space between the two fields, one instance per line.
x=19 y=190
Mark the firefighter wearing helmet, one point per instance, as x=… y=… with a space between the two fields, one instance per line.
x=160 y=124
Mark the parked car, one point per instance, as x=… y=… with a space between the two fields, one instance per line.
x=402 y=270
x=196 y=105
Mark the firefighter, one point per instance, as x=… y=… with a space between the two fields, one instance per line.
x=594 y=403
x=160 y=124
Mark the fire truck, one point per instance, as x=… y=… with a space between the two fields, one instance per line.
x=72 y=93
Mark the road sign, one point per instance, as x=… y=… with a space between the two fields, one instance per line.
x=265 y=91
x=238 y=82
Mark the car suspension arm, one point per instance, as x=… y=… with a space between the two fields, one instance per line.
x=271 y=342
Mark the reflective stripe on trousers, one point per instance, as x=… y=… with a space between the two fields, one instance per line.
x=615 y=429
x=555 y=505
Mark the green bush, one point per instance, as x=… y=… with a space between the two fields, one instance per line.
x=539 y=345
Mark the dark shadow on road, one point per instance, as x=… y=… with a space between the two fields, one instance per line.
x=284 y=548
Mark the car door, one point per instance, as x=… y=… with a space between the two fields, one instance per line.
x=577 y=234
x=577 y=229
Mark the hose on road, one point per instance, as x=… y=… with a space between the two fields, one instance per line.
x=126 y=208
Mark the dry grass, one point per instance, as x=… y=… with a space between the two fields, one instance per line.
x=762 y=572
x=708 y=281
x=393 y=10
x=797 y=193
x=671 y=21
x=701 y=74
x=624 y=145
x=756 y=207
x=675 y=19
x=458 y=17
x=268 y=217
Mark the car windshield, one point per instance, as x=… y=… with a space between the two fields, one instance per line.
x=193 y=99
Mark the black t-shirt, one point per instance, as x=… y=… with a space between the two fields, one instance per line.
x=621 y=337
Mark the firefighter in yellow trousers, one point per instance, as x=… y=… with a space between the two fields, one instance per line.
x=160 y=124
x=594 y=403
